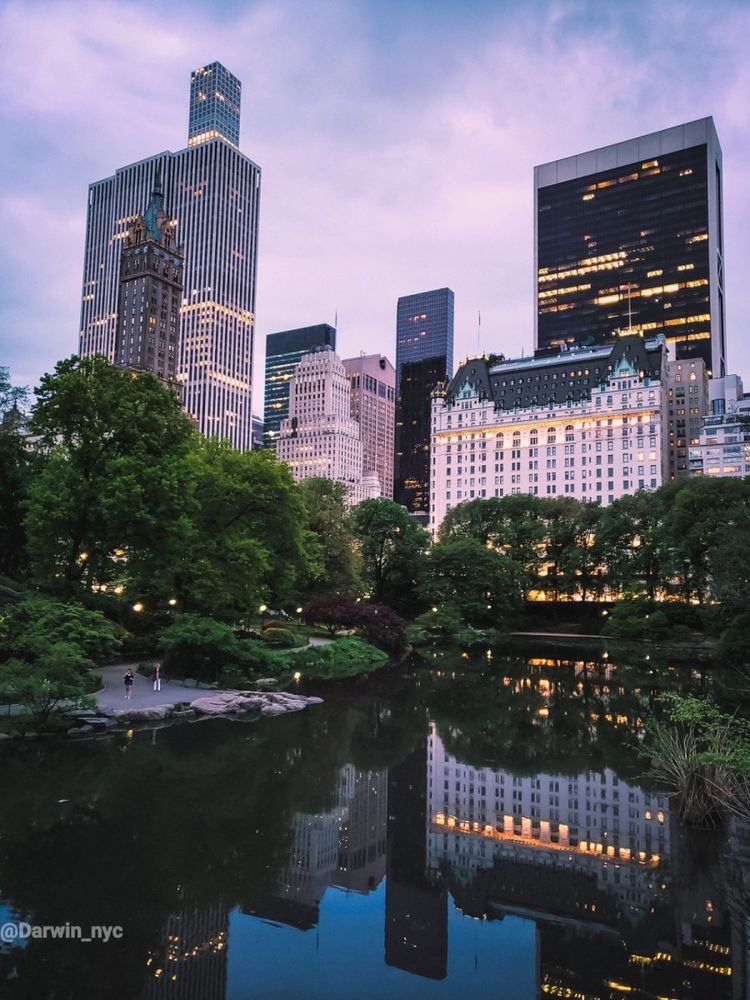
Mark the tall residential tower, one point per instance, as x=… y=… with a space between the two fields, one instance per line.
x=629 y=239
x=424 y=358
x=373 y=380
x=212 y=191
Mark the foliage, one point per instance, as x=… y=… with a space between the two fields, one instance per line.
x=57 y=678
x=483 y=585
x=29 y=629
x=704 y=756
x=280 y=637
x=637 y=618
x=734 y=642
x=442 y=624
x=342 y=658
x=377 y=623
x=112 y=483
x=329 y=520
x=247 y=541
x=392 y=545
x=16 y=466
x=200 y=648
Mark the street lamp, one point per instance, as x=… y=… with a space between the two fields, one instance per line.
x=138 y=606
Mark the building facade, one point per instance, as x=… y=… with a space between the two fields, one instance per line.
x=284 y=351
x=320 y=437
x=723 y=445
x=630 y=237
x=373 y=382
x=586 y=422
x=212 y=191
x=424 y=358
x=215 y=98
x=148 y=310
x=686 y=385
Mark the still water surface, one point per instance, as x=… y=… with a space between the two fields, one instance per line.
x=461 y=828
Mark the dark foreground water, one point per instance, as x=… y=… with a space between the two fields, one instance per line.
x=465 y=829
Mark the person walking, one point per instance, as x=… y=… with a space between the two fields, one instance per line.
x=129 y=683
x=157 y=676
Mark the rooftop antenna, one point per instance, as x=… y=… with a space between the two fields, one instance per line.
x=336 y=320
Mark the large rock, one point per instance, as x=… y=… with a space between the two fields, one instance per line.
x=152 y=714
x=267 y=703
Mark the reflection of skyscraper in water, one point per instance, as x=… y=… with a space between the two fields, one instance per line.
x=416 y=908
x=191 y=960
x=344 y=846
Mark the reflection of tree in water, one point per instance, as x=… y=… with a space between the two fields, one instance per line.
x=205 y=814
x=568 y=715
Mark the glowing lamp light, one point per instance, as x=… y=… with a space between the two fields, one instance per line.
x=297 y=675
x=172 y=601
x=84 y=556
x=119 y=588
x=434 y=611
x=263 y=608
x=138 y=606
x=299 y=611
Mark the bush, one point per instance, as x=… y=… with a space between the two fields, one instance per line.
x=281 y=637
x=58 y=678
x=734 y=644
x=445 y=625
x=347 y=657
x=200 y=648
x=377 y=623
x=33 y=626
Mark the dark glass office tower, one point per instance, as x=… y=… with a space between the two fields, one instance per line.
x=424 y=357
x=283 y=353
x=629 y=236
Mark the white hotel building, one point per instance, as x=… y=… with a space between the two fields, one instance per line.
x=212 y=191
x=587 y=422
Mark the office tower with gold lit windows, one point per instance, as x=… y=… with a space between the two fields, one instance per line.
x=628 y=238
x=212 y=192
x=284 y=351
x=424 y=359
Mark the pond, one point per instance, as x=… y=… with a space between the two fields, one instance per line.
x=475 y=823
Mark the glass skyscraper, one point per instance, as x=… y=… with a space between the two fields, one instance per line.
x=629 y=238
x=424 y=357
x=284 y=351
x=215 y=95
x=212 y=191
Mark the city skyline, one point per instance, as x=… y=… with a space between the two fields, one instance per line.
x=384 y=138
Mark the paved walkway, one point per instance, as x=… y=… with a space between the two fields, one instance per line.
x=143 y=694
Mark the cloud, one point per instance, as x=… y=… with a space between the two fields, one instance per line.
x=397 y=144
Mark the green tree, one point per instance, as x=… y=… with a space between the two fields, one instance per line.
x=482 y=584
x=58 y=678
x=248 y=540
x=30 y=629
x=15 y=475
x=631 y=539
x=392 y=546
x=330 y=522
x=514 y=525
x=705 y=513
x=112 y=496
x=200 y=648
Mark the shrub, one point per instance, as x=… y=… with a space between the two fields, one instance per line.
x=58 y=678
x=281 y=637
x=377 y=623
x=200 y=648
x=444 y=624
x=31 y=627
x=347 y=657
x=734 y=644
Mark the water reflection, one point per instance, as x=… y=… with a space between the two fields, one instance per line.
x=416 y=837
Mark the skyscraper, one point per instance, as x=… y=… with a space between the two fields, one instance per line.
x=424 y=357
x=373 y=381
x=320 y=437
x=215 y=96
x=284 y=351
x=212 y=191
x=629 y=237
x=148 y=312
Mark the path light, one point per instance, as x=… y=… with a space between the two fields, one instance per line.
x=119 y=588
x=299 y=611
x=138 y=606
x=83 y=556
x=605 y=613
x=297 y=676
x=434 y=611
x=605 y=655
x=263 y=608
x=172 y=601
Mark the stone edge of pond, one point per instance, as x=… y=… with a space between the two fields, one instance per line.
x=224 y=704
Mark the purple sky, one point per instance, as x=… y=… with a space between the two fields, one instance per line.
x=397 y=141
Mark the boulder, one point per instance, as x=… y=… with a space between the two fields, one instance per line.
x=153 y=714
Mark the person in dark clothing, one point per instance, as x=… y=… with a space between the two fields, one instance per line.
x=157 y=676
x=129 y=678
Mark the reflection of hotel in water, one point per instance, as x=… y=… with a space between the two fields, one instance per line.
x=592 y=822
x=343 y=847
x=596 y=864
